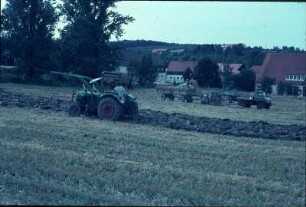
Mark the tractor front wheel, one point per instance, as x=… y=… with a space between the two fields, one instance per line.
x=109 y=109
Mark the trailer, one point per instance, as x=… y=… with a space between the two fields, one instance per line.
x=188 y=91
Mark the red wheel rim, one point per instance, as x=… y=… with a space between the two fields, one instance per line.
x=108 y=110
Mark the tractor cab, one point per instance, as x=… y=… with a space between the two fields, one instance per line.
x=261 y=96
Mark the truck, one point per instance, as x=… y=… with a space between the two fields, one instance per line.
x=259 y=99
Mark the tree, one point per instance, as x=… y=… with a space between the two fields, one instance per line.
x=266 y=84
x=238 y=49
x=206 y=73
x=227 y=79
x=187 y=74
x=281 y=88
x=245 y=80
x=6 y=56
x=29 y=27
x=133 y=66
x=146 y=72
x=91 y=24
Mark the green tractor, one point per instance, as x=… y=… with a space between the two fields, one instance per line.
x=92 y=99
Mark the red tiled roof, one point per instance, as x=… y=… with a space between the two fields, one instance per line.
x=235 y=66
x=278 y=65
x=232 y=66
x=159 y=50
x=257 y=69
x=181 y=66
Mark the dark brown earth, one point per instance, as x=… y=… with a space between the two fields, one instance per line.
x=255 y=129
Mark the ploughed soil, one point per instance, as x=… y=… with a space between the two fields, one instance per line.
x=255 y=129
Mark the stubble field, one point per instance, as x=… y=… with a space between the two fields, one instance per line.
x=50 y=158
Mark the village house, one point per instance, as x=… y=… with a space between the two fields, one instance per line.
x=176 y=51
x=159 y=51
x=287 y=68
x=160 y=66
x=225 y=46
x=176 y=70
x=235 y=68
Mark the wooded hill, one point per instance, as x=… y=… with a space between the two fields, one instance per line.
x=235 y=53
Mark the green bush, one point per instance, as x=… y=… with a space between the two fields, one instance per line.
x=295 y=91
x=266 y=84
x=281 y=89
x=289 y=90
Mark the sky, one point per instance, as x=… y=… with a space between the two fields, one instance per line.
x=265 y=24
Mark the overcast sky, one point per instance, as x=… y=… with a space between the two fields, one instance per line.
x=265 y=24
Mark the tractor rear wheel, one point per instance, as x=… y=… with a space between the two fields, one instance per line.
x=261 y=105
x=74 y=110
x=109 y=109
x=189 y=99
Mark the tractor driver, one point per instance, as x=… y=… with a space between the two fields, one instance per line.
x=121 y=92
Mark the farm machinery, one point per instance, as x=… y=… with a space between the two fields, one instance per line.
x=190 y=91
x=94 y=99
x=184 y=92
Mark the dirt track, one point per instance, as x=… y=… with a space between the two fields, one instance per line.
x=254 y=129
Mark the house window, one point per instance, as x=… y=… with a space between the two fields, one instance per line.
x=170 y=77
x=302 y=78
x=287 y=77
x=295 y=77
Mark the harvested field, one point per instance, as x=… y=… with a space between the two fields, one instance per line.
x=160 y=158
x=50 y=158
x=285 y=110
x=174 y=120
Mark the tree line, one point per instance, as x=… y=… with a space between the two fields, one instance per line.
x=27 y=36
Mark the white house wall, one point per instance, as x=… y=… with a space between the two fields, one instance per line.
x=176 y=78
x=161 y=77
x=274 y=88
